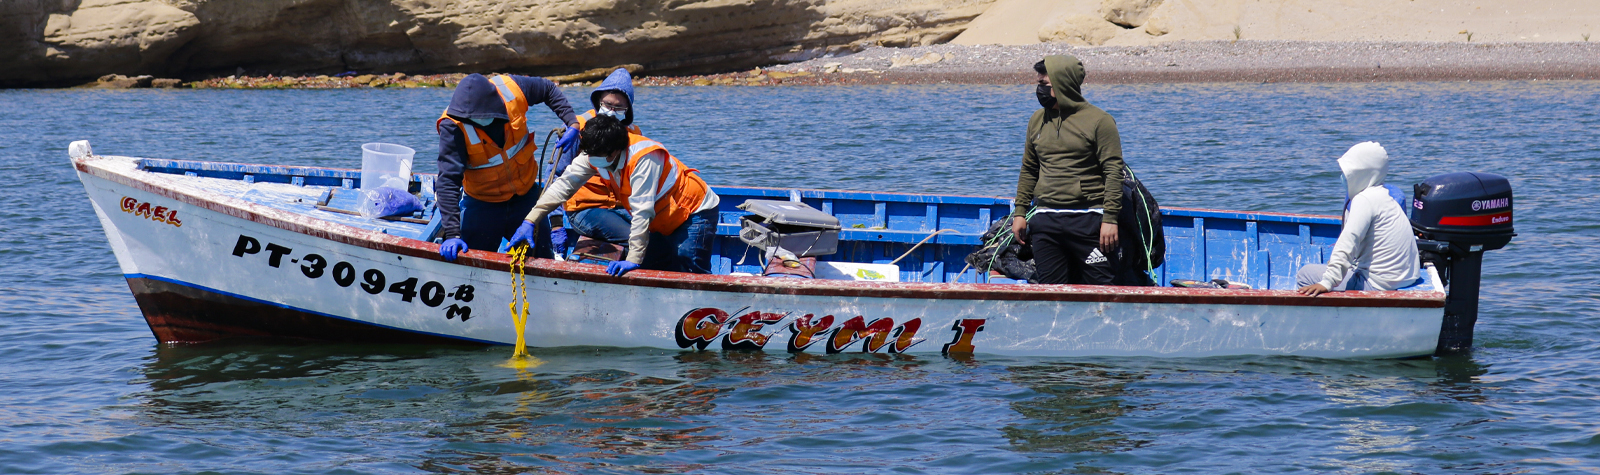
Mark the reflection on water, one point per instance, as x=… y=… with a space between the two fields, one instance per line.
x=1079 y=400
x=588 y=409
x=461 y=398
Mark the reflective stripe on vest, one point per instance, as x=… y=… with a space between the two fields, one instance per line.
x=472 y=138
x=669 y=167
x=678 y=192
x=494 y=174
x=499 y=82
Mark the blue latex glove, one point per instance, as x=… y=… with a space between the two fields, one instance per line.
x=451 y=247
x=617 y=268
x=524 y=235
x=568 y=141
x=558 y=241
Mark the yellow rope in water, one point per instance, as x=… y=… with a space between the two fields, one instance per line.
x=519 y=292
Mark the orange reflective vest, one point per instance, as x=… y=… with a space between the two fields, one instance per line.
x=594 y=194
x=496 y=174
x=678 y=193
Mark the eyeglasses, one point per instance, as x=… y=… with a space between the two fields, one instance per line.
x=614 y=107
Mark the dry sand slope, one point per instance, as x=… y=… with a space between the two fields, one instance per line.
x=1145 y=22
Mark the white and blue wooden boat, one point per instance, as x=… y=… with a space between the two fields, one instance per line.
x=220 y=250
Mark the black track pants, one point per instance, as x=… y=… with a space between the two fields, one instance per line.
x=1066 y=249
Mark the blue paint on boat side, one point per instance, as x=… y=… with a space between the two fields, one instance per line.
x=257 y=173
x=1249 y=216
x=1263 y=250
x=298 y=309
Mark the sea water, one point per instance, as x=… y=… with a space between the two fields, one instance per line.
x=85 y=388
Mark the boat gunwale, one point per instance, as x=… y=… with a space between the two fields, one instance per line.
x=548 y=268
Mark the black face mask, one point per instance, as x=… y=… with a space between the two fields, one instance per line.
x=1046 y=99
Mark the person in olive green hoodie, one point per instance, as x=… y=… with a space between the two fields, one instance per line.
x=1072 y=174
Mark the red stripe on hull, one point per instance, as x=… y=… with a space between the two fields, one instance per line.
x=181 y=314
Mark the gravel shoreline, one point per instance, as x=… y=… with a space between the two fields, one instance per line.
x=1203 y=61
x=1225 y=61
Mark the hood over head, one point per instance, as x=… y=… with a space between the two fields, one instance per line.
x=1364 y=166
x=621 y=81
x=1066 y=79
x=475 y=98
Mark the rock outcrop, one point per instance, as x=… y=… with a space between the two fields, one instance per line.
x=56 y=42
x=1110 y=20
x=1128 y=13
x=1082 y=30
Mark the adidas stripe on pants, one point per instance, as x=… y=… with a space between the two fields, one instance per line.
x=1066 y=249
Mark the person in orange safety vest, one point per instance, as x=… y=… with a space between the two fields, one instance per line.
x=593 y=211
x=486 y=150
x=674 y=212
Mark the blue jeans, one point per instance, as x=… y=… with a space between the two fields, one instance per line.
x=609 y=225
x=484 y=223
x=687 y=249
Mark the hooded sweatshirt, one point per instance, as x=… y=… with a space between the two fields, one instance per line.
x=475 y=98
x=1376 y=239
x=1072 y=156
x=619 y=81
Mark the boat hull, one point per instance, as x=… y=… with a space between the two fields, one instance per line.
x=210 y=266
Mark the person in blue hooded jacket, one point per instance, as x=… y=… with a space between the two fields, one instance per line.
x=486 y=152
x=593 y=211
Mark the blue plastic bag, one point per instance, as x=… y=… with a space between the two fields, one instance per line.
x=386 y=201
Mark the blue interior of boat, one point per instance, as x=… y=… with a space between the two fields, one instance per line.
x=1262 y=250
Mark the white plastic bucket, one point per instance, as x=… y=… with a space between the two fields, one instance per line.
x=385 y=163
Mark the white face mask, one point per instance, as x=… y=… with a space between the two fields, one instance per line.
x=600 y=162
x=484 y=122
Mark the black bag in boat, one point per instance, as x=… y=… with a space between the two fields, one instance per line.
x=1012 y=259
x=1142 y=244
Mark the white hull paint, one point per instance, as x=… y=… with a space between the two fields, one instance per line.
x=226 y=246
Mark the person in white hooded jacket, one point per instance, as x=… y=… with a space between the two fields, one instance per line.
x=1375 y=250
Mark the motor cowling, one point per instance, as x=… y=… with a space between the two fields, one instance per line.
x=1456 y=217
x=1467 y=209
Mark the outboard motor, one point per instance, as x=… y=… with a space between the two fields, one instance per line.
x=1457 y=216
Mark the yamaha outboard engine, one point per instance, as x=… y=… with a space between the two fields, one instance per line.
x=1457 y=216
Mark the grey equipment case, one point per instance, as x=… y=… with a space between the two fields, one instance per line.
x=789 y=225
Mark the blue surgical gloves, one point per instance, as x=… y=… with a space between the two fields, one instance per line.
x=568 y=141
x=617 y=268
x=558 y=241
x=524 y=234
x=451 y=247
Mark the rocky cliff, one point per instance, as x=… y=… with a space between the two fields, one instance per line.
x=62 y=42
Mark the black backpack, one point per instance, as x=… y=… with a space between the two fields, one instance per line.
x=1142 y=242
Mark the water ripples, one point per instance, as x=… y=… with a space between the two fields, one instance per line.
x=87 y=390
